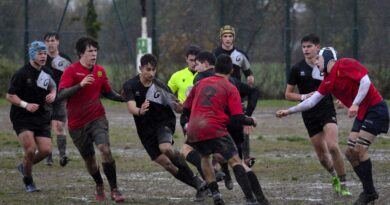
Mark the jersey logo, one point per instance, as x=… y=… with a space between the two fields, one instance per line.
x=137 y=93
x=157 y=94
x=184 y=80
x=43 y=80
x=99 y=73
x=238 y=58
x=302 y=73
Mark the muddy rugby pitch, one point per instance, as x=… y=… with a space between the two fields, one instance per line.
x=286 y=166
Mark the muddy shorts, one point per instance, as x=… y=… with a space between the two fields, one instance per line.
x=151 y=143
x=93 y=132
x=222 y=145
x=376 y=120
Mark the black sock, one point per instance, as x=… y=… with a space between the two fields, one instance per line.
x=97 y=177
x=364 y=172
x=186 y=178
x=61 y=144
x=178 y=160
x=255 y=185
x=194 y=158
x=225 y=170
x=28 y=180
x=213 y=186
x=109 y=170
x=243 y=181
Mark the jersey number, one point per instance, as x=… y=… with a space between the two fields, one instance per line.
x=209 y=92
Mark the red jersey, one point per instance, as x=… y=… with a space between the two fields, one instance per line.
x=209 y=100
x=85 y=105
x=343 y=82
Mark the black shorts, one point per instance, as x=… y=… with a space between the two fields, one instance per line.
x=222 y=145
x=93 y=132
x=151 y=143
x=59 y=110
x=43 y=131
x=376 y=120
x=315 y=121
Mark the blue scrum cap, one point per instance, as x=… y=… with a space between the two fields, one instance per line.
x=329 y=53
x=35 y=47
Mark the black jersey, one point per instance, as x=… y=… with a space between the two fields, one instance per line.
x=57 y=65
x=32 y=86
x=308 y=79
x=240 y=61
x=159 y=113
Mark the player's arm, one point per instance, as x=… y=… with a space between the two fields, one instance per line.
x=15 y=100
x=303 y=106
x=291 y=95
x=53 y=91
x=65 y=93
x=112 y=95
x=362 y=93
x=253 y=95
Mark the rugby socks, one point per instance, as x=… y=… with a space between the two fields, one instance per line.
x=243 y=181
x=28 y=180
x=109 y=170
x=213 y=186
x=61 y=144
x=255 y=185
x=97 y=177
x=225 y=169
x=332 y=172
x=184 y=177
x=179 y=161
x=364 y=172
x=193 y=157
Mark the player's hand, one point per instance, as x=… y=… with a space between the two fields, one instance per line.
x=248 y=129
x=178 y=107
x=88 y=80
x=144 y=107
x=282 y=113
x=251 y=80
x=352 y=111
x=32 y=107
x=50 y=97
x=339 y=104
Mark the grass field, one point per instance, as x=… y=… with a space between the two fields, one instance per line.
x=286 y=166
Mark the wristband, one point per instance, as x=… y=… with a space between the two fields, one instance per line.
x=23 y=104
x=303 y=97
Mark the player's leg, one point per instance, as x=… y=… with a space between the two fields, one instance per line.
x=59 y=131
x=255 y=185
x=99 y=132
x=331 y=139
x=26 y=138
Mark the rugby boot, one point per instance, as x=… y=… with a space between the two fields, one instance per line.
x=99 y=194
x=336 y=185
x=365 y=198
x=64 y=161
x=217 y=197
x=117 y=196
x=31 y=188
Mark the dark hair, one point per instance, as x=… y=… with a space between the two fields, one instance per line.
x=224 y=64
x=193 y=50
x=83 y=43
x=312 y=38
x=206 y=56
x=51 y=34
x=149 y=58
